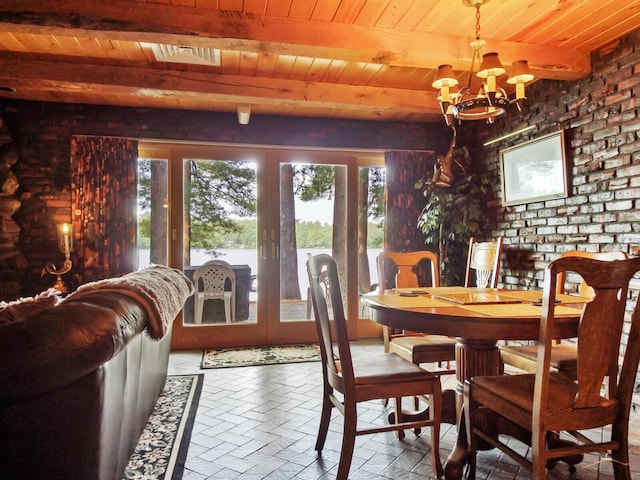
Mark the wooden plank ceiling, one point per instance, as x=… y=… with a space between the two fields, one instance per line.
x=360 y=59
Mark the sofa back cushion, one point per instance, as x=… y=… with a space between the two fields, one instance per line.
x=18 y=310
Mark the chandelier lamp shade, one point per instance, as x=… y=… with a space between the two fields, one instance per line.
x=490 y=101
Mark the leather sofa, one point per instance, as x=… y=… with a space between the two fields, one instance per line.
x=77 y=385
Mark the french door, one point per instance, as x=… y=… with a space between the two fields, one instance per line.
x=263 y=211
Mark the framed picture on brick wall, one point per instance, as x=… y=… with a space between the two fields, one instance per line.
x=535 y=170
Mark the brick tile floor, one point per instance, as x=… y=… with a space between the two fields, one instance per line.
x=261 y=423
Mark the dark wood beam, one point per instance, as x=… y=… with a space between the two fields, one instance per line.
x=71 y=77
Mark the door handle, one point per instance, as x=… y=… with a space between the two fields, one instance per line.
x=275 y=253
x=263 y=245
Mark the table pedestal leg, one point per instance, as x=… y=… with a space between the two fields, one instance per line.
x=473 y=357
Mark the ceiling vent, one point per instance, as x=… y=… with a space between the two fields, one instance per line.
x=186 y=54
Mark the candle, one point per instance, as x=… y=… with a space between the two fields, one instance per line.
x=65 y=236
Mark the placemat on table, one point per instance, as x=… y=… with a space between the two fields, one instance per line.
x=398 y=301
x=515 y=310
x=534 y=295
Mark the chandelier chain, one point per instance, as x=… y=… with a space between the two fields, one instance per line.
x=477 y=46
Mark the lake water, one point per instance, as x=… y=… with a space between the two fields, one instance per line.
x=242 y=256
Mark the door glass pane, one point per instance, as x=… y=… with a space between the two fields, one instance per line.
x=220 y=227
x=371 y=181
x=313 y=220
x=153 y=219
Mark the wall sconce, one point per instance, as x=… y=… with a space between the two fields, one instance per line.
x=244 y=113
x=65 y=244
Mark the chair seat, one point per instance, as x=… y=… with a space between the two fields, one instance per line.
x=524 y=357
x=378 y=369
x=424 y=348
x=518 y=390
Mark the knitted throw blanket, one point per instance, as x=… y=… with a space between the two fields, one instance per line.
x=161 y=290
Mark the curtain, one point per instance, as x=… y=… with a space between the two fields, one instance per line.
x=404 y=202
x=103 y=207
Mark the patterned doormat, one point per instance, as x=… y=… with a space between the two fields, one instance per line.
x=232 y=357
x=162 y=448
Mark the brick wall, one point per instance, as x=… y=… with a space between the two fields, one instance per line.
x=601 y=119
x=42 y=133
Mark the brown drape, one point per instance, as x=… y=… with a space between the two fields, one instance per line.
x=104 y=204
x=404 y=202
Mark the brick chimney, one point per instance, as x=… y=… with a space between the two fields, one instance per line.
x=12 y=262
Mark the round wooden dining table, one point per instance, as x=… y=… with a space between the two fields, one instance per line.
x=478 y=319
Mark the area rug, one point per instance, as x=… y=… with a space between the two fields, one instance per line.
x=162 y=448
x=230 y=357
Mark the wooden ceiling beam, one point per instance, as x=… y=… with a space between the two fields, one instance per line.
x=70 y=77
x=232 y=30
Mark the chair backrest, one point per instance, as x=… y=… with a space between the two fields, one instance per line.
x=407 y=265
x=217 y=261
x=584 y=290
x=599 y=339
x=483 y=263
x=335 y=352
x=212 y=278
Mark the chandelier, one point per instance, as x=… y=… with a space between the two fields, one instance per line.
x=490 y=101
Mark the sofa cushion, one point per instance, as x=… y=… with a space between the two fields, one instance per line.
x=18 y=310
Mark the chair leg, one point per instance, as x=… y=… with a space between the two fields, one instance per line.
x=385 y=336
x=198 y=307
x=538 y=457
x=469 y=420
x=435 y=414
x=398 y=405
x=325 y=418
x=348 y=440
x=227 y=308
x=554 y=441
x=233 y=307
x=621 y=470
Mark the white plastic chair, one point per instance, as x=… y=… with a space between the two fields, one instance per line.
x=217 y=262
x=210 y=280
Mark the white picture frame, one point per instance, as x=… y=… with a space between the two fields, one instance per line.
x=534 y=171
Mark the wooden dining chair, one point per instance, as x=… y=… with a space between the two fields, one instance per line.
x=483 y=263
x=348 y=381
x=415 y=347
x=563 y=355
x=546 y=403
x=325 y=283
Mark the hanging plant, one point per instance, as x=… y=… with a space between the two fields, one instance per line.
x=453 y=213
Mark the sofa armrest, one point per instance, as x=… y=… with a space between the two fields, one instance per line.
x=60 y=345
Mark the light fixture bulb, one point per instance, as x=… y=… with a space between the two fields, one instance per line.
x=244 y=113
x=445 y=76
x=491 y=66
x=519 y=75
